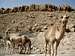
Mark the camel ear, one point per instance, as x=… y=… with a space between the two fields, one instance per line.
x=67 y=17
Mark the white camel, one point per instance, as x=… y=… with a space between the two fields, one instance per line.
x=54 y=35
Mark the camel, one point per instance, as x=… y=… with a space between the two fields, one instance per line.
x=22 y=42
x=54 y=35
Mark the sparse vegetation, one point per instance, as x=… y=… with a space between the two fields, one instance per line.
x=34 y=7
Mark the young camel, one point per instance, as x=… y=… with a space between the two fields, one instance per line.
x=54 y=35
x=22 y=42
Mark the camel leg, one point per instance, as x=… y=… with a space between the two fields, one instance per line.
x=46 y=48
x=13 y=47
x=56 y=46
x=49 y=49
x=20 y=49
x=25 y=49
x=52 y=46
x=29 y=48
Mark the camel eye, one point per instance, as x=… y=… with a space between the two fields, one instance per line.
x=67 y=17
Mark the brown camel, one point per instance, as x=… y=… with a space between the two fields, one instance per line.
x=23 y=43
x=54 y=35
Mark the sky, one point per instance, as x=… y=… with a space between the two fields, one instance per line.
x=13 y=3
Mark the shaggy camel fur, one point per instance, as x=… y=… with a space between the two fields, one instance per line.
x=54 y=35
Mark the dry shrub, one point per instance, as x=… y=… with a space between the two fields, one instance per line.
x=65 y=8
x=15 y=9
x=8 y=10
x=2 y=10
x=32 y=7
x=35 y=7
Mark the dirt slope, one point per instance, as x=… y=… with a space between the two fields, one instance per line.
x=40 y=20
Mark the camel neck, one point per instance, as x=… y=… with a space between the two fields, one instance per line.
x=62 y=27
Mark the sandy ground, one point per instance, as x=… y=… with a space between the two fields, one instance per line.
x=67 y=45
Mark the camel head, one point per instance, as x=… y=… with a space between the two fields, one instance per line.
x=65 y=19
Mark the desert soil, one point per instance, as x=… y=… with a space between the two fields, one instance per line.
x=40 y=20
